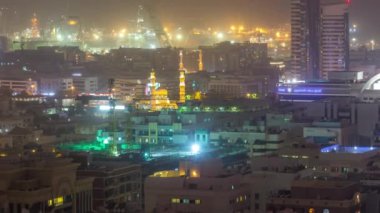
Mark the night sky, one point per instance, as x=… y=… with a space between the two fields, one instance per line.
x=187 y=13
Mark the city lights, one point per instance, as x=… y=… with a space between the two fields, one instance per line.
x=195 y=148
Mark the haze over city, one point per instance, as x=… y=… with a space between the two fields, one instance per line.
x=189 y=106
x=195 y=13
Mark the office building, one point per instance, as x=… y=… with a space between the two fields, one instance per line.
x=320 y=41
x=334 y=38
x=305 y=22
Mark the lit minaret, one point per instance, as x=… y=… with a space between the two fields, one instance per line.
x=182 y=84
x=152 y=81
x=200 y=60
x=181 y=66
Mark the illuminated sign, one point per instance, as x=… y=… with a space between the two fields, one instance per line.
x=108 y=108
x=300 y=90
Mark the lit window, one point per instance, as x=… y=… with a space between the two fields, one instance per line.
x=197 y=202
x=185 y=201
x=175 y=200
x=311 y=210
x=56 y=201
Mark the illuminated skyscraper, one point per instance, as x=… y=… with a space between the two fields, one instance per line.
x=319 y=37
x=334 y=38
x=305 y=18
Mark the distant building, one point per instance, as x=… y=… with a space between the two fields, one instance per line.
x=197 y=187
x=318 y=196
x=234 y=57
x=241 y=86
x=320 y=41
x=127 y=89
x=117 y=185
x=334 y=38
x=259 y=139
x=43 y=183
x=51 y=86
x=18 y=86
x=85 y=84
x=330 y=132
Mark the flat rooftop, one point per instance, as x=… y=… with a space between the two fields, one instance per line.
x=319 y=184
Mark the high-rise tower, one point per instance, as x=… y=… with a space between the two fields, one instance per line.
x=305 y=18
x=320 y=42
x=334 y=37
x=182 y=79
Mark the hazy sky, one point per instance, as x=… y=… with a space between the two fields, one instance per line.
x=190 y=13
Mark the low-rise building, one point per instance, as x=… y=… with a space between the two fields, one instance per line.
x=42 y=182
x=330 y=132
x=196 y=187
x=117 y=185
x=18 y=86
x=317 y=196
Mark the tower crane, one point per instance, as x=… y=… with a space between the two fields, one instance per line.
x=147 y=14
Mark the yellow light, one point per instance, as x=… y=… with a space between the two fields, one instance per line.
x=72 y=22
x=278 y=34
x=96 y=36
x=233 y=28
x=58 y=201
x=220 y=35
x=241 y=28
x=311 y=210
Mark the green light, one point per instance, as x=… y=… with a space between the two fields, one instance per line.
x=105 y=141
x=208 y=109
x=234 y=109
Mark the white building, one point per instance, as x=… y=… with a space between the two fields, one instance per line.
x=85 y=84
x=54 y=85
x=17 y=86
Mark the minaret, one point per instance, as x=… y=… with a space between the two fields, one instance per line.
x=182 y=80
x=181 y=66
x=152 y=81
x=200 y=60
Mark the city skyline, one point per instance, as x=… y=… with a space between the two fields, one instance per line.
x=248 y=12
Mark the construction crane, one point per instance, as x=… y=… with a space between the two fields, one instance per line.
x=147 y=14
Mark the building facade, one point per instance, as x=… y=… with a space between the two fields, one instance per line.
x=320 y=41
